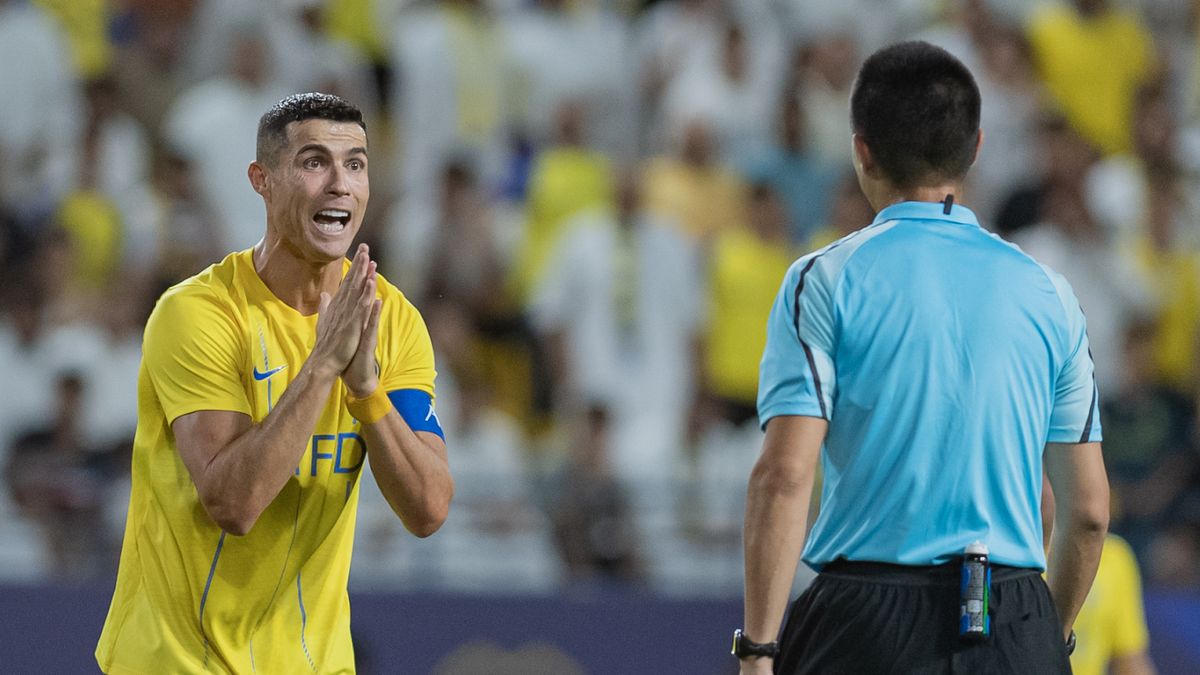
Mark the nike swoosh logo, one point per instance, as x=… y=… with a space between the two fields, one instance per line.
x=259 y=375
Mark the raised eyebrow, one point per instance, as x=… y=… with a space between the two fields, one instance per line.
x=317 y=147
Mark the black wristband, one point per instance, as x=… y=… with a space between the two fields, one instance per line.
x=745 y=648
x=1071 y=643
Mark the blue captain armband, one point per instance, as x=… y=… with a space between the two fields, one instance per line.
x=416 y=407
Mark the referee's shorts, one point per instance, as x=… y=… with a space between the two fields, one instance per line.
x=863 y=618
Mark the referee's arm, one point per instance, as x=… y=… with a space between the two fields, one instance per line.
x=777 y=504
x=1076 y=472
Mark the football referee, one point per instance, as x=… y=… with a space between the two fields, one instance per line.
x=933 y=369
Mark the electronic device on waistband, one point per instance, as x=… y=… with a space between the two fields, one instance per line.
x=974 y=622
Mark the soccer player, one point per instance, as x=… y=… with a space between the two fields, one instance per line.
x=268 y=382
x=932 y=368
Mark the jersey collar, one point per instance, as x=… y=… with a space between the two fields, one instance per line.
x=927 y=211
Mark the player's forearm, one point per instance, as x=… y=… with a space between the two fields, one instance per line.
x=413 y=475
x=246 y=475
x=776 y=519
x=1074 y=556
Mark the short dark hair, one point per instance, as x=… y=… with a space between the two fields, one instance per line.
x=917 y=109
x=272 y=127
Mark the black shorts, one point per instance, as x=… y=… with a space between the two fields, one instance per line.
x=867 y=618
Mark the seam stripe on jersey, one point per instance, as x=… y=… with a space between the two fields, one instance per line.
x=812 y=364
x=279 y=582
x=1087 y=426
x=303 y=623
x=204 y=596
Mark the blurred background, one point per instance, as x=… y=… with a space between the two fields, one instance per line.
x=592 y=203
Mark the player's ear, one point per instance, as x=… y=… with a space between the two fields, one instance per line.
x=258 y=177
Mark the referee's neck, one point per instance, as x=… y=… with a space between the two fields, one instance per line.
x=925 y=193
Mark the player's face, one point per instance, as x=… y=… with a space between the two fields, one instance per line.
x=319 y=188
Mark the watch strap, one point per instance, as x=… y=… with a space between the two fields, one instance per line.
x=745 y=648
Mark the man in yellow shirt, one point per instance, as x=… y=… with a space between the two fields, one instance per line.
x=267 y=382
x=1092 y=58
x=1111 y=625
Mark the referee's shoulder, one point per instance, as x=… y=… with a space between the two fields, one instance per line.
x=832 y=257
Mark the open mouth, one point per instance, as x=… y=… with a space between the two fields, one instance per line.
x=331 y=221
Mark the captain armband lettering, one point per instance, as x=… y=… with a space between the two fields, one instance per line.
x=416 y=407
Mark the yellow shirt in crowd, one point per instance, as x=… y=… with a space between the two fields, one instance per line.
x=189 y=597
x=1092 y=67
x=1112 y=622
x=745 y=275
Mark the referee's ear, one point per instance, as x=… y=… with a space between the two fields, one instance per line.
x=864 y=161
x=978 y=146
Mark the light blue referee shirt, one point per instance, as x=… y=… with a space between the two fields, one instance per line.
x=944 y=359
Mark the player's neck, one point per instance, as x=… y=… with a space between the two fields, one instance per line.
x=297 y=282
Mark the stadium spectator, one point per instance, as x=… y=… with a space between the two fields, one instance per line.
x=85 y=25
x=1150 y=444
x=1148 y=201
x=593 y=521
x=693 y=188
x=212 y=126
x=744 y=270
x=58 y=481
x=791 y=166
x=856 y=374
x=148 y=66
x=671 y=37
x=309 y=58
x=553 y=47
x=620 y=307
x=567 y=178
x=189 y=238
x=450 y=100
x=730 y=92
x=1111 y=626
x=1092 y=57
x=847 y=214
x=824 y=67
x=41 y=110
x=1070 y=238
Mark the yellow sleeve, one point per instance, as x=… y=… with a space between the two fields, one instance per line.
x=1129 y=634
x=406 y=359
x=193 y=353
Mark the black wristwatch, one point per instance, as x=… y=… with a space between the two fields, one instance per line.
x=745 y=648
x=1071 y=643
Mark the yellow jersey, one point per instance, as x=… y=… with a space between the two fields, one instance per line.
x=1112 y=621
x=189 y=597
x=745 y=272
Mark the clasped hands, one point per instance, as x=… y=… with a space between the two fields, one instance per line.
x=348 y=327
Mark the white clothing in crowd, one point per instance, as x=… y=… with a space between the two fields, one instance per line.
x=629 y=303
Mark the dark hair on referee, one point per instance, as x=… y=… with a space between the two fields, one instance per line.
x=917 y=109
x=272 y=127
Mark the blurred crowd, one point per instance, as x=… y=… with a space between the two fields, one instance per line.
x=592 y=203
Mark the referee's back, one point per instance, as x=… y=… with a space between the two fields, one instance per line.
x=944 y=359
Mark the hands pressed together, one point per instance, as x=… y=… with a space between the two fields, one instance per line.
x=348 y=327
